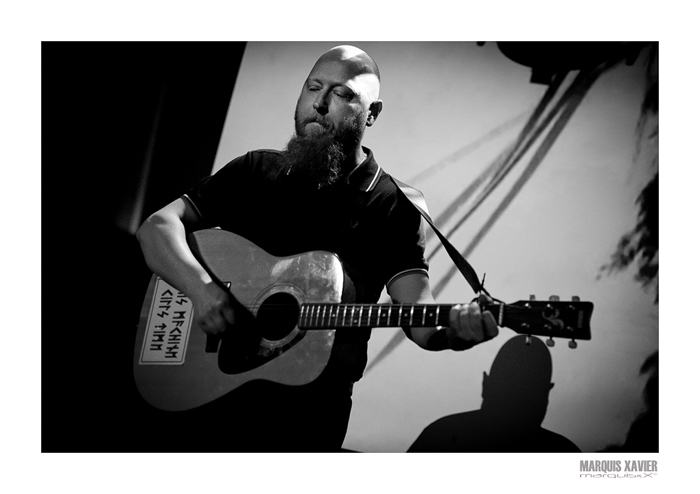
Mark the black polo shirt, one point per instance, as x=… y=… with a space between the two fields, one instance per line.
x=366 y=220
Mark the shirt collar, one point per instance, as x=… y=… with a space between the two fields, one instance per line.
x=365 y=176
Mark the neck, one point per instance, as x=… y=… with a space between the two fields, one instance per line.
x=360 y=156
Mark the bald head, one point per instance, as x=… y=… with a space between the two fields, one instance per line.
x=361 y=62
x=355 y=65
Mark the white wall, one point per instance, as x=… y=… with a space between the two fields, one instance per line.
x=553 y=239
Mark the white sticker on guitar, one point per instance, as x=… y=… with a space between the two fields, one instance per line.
x=168 y=327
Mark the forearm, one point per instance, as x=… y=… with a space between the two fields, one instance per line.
x=468 y=326
x=163 y=240
x=415 y=289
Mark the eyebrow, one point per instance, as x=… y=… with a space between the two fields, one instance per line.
x=334 y=85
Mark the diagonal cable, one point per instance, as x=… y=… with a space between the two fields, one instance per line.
x=465 y=150
x=495 y=169
x=569 y=102
x=567 y=105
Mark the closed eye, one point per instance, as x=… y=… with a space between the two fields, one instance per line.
x=345 y=96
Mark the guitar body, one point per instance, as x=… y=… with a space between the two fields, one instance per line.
x=175 y=369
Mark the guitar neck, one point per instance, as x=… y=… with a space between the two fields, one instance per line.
x=544 y=318
x=325 y=316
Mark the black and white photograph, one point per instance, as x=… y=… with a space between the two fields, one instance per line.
x=424 y=259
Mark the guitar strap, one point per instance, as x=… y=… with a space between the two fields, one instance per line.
x=416 y=197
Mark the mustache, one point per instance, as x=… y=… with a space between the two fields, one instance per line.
x=321 y=121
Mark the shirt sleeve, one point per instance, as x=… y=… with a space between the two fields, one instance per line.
x=216 y=196
x=404 y=241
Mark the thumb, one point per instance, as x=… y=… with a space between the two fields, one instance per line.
x=228 y=314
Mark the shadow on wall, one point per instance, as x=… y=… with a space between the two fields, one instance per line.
x=515 y=398
x=643 y=436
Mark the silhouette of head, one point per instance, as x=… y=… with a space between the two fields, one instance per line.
x=519 y=382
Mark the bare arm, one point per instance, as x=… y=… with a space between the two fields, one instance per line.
x=469 y=326
x=163 y=239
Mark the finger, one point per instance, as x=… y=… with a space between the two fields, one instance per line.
x=475 y=323
x=457 y=332
x=490 y=326
x=213 y=323
x=228 y=314
x=455 y=317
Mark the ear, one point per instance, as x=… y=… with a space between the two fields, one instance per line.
x=374 y=110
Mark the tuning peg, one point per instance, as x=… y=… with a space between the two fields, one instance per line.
x=532 y=297
x=550 y=342
x=554 y=298
x=573 y=344
x=575 y=298
x=528 y=340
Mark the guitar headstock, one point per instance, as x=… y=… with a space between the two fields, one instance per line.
x=552 y=318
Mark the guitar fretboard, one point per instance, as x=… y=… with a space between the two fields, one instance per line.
x=324 y=316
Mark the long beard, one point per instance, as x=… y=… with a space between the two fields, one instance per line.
x=323 y=158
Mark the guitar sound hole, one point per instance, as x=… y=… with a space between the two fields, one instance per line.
x=242 y=350
x=277 y=317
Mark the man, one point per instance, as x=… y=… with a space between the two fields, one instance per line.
x=324 y=192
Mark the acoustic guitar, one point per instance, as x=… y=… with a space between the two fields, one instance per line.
x=287 y=312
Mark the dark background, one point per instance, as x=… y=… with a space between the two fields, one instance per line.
x=116 y=118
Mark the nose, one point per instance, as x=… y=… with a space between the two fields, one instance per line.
x=320 y=103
